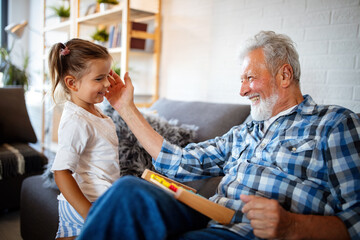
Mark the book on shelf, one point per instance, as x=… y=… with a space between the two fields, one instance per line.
x=188 y=196
x=111 y=35
x=115 y=36
x=137 y=43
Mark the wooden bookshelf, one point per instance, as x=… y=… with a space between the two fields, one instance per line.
x=124 y=13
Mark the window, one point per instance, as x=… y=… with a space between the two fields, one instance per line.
x=3 y=22
x=3 y=35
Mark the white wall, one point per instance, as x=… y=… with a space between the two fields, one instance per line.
x=31 y=42
x=35 y=43
x=201 y=39
x=18 y=15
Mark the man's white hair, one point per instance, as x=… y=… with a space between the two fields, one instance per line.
x=278 y=49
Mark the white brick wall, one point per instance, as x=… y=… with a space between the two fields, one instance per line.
x=201 y=39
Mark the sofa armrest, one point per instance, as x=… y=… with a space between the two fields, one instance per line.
x=39 y=210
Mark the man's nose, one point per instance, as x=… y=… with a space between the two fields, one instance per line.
x=244 y=89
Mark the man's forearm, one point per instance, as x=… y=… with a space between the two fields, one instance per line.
x=147 y=136
x=318 y=227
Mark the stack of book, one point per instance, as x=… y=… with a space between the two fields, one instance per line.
x=115 y=36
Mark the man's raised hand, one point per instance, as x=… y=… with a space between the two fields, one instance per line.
x=120 y=94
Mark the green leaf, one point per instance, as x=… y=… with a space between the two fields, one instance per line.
x=12 y=75
x=61 y=11
x=100 y=35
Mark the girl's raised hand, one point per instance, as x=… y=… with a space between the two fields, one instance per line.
x=120 y=94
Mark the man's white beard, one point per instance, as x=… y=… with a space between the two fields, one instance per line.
x=263 y=110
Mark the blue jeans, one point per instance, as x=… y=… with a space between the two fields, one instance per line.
x=136 y=209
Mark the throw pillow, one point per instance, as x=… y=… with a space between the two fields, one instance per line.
x=133 y=158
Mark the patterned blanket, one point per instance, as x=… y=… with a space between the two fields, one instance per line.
x=19 y=158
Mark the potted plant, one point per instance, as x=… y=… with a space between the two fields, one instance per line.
x=101 y=36
x=116 y=68
x=62 y=12
x=13 y=75
x=106 y=4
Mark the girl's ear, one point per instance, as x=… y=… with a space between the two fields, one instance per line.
x=71 y=83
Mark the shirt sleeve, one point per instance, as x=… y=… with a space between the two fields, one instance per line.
x=344 y=172
x=196 y=160
x=72 y=140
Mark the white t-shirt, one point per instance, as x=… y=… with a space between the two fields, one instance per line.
x=88 y=146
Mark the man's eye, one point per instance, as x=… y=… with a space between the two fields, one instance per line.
x=248 y=79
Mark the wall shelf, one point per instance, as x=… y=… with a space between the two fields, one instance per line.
x=112 y=15
x=61 y=27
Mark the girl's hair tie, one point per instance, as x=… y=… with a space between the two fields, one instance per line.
x=64 y=51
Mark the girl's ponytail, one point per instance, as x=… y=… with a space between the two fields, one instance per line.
x=57 y=67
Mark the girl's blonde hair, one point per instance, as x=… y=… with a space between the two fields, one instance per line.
x=72 y=58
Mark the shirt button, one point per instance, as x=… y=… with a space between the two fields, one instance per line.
x=263 y=145
x=293 y=149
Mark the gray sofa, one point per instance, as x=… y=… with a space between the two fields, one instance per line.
x=39 y=216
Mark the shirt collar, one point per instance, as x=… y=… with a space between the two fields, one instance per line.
x=269 y=121
x=306 y=107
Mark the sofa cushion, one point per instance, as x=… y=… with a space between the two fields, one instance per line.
x=213 y=119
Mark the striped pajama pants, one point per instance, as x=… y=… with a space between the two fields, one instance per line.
x=70 y=221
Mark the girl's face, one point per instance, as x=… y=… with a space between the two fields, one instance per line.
x=91 y=88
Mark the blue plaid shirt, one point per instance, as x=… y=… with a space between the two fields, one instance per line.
x=308 y=160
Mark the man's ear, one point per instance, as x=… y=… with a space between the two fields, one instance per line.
x=286 y=75
x=71 y=83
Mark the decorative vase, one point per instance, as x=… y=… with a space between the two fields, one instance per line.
x=63 y=19
x=105 y=6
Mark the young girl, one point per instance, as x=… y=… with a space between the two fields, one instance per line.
x=87 y=162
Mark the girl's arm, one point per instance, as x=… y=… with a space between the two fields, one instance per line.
x=71 y=191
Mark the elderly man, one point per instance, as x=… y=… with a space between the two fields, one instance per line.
x=292 y=172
